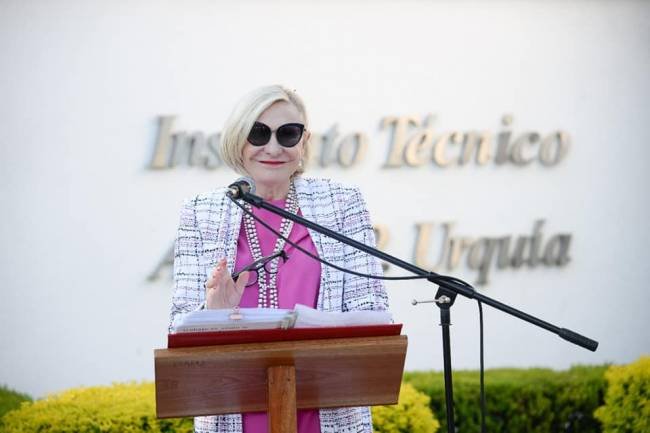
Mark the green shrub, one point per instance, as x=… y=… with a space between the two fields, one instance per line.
x=627 y=401
x=519 y=400
x=410 y=415
x=130 y=408
x=10 y=399
x=121 y=408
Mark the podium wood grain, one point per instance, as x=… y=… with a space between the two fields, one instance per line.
x=212 y=380
x=282 y=399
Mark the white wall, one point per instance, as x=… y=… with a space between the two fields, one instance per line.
x=84 y=220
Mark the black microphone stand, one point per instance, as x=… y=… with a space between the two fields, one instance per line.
x=448 y=289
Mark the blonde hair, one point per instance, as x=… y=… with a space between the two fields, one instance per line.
x=235 y=131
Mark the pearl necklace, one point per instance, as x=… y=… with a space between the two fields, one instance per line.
x=267 y=296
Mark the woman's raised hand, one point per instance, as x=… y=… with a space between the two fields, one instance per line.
x=220 y=289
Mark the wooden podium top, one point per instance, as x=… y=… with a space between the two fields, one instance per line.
x=335 y=372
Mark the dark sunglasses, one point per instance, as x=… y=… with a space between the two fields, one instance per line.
x=288 y=135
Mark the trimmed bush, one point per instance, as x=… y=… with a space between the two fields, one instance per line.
x=627 y=401
x=410 y=415
x=519 y=401
x=130 y=408
x=10 y=399
x=121 y=408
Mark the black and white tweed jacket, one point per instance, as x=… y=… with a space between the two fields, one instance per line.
x=209 y=229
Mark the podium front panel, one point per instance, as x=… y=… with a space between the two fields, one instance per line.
x=213 y=380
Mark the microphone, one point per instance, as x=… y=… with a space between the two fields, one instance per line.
x=243 y=185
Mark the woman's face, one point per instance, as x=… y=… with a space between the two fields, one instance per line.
x=272 y=165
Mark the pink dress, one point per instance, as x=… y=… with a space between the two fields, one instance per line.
x=298 y=282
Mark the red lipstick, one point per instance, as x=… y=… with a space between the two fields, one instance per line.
x=272 y=162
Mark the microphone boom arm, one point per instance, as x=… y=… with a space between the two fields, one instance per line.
x=444 y=283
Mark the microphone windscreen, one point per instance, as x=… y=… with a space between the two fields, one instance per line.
x=249 y=181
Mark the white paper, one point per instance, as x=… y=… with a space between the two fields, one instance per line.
x=269 y=318
x=220 y=319
x=311 y=318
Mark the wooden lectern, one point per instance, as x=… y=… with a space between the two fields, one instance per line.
x=279 y=377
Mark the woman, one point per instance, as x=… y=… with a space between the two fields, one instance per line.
x=266 y=138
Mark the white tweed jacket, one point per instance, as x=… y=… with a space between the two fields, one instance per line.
x=209 y=228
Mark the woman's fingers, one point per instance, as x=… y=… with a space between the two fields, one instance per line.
x=221 y=290
x=241 y=282
x=217 y=274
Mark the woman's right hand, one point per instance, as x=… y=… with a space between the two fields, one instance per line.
x=220 y=289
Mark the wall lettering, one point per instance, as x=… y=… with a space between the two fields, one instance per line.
x=413 y=142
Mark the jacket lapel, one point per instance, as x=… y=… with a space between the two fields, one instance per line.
x=307 y=204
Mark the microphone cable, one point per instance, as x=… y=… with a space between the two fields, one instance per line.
x=431 y=277
x=323 y=261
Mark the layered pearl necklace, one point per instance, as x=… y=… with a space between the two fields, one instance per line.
x=268 y=285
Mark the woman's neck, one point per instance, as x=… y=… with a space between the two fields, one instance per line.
x=272 y=192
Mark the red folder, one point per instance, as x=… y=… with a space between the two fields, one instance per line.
x=192 y=339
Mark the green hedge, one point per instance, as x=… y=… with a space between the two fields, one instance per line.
x=519 y=401
x=10 y=399
x=411 y=414
x=130 y=408
x=627 y=401
x=121 y=408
